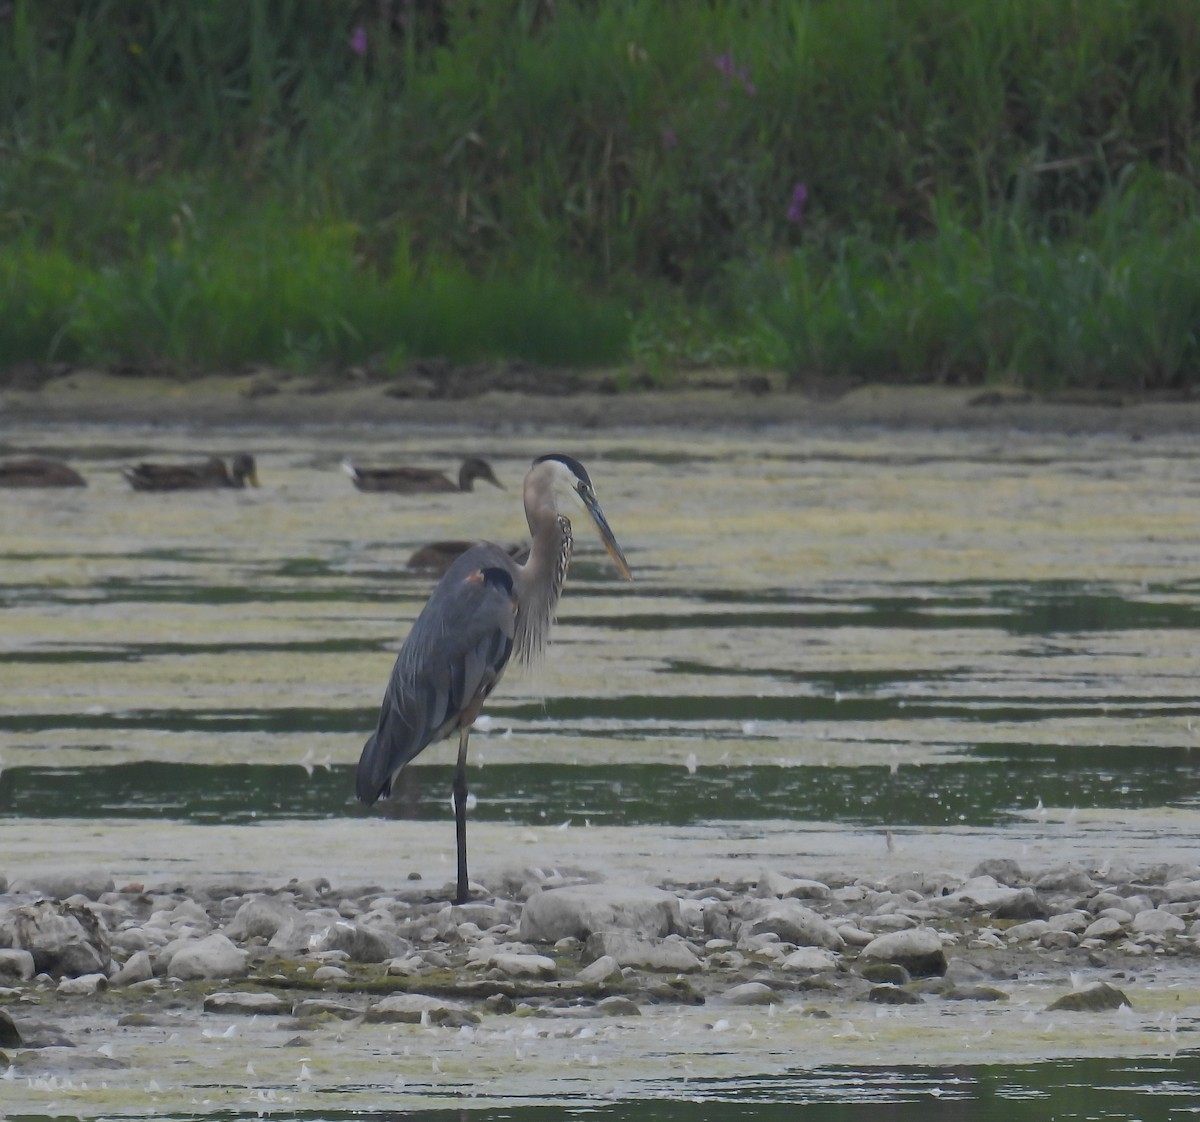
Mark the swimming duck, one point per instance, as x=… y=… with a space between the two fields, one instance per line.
x=417 y=480
x=39 y=471
x=209 y=475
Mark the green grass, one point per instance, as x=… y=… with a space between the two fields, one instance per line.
x=995 y=190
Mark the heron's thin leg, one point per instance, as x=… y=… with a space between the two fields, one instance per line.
x=460 y=814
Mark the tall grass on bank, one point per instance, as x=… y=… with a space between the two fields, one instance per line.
x=992 y=302
x=274 y=291
x=893 y=186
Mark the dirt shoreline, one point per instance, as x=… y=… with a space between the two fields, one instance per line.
x=704 y=402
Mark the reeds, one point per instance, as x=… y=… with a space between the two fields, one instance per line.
x=915 y=188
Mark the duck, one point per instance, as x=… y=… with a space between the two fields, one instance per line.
x=211 y=474
x=39 y=471
x=418 y=480
x=437 y=557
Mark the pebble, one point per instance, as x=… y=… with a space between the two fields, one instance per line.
x=554 y=942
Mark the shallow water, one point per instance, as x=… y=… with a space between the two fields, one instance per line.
x=978 y=641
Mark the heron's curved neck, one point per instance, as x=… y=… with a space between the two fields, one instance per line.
x=543 y=574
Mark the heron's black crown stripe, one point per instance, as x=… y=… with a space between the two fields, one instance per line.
x=570 y=462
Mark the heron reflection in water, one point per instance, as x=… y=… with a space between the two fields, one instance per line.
x=485 y=607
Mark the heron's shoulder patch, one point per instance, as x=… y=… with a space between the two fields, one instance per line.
x=497 y=578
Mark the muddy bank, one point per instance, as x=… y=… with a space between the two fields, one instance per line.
x=706 y=400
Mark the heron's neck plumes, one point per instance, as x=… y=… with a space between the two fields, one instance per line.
x=542 y=585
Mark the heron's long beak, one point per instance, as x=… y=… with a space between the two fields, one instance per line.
x=607 y=536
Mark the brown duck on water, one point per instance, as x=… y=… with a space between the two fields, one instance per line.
x=39 y=471
x=211 y=474
x=437 y=557
x=418 y=480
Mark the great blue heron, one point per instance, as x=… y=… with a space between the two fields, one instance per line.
x=38 y=471
x=485 y=606
x=417 y=480
x=208 y=475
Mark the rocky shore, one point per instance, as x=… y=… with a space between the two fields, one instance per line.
x=311 y=954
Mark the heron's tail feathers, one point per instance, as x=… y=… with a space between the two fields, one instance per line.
x=373 y=777
x=349 y=468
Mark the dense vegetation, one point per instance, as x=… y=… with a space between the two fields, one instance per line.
x=957 y=189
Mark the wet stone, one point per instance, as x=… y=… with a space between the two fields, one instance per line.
x=248 y=1003
x=581 y=910
x=10 y=1036
x=890 y=973
x=1092 y=999
x=415 y=1008
x=918 y=950
x=211 y=957
x=893 y=995
x=793 y=923
x=647 y=954
x=604 y=969
x=973 y=993
x=64 y=939
x=16 y=964
x=1157 y=922
x=749 y=993
x=85 y=985
x=618 y=1006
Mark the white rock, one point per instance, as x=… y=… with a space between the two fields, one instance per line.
x=16 y=963
x=793 y=923
x=261 y=916
x=1155 y=921
x=211 y=957
x=410 y=1008
x=580 y=910
x=524 y=965
x=629 y=950
x=138 y=968
x=83 y=986
x=810 y=960
x=1104 y=928
x=748 y=993
x=250 y=1003
x=595 y=973
x=64 y=939
x=918 y=950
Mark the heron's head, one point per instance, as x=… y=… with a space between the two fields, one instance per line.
x=569 y=477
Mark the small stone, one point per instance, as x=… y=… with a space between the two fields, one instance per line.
x=893 y=995
x=261 y=917
x=582 y=910
x=974 y=993
x=524 y=965
x=85 y=985
x=1066 y=878
x=1092 y=999
x=64 y=939
x=243 y=1002
x=1033 y=929
x=91 y=883
x=211 y=957
x=810 y=960
x=618 y=1006
x=1026 y=905
x=330 y=974
x=1004 y=870
x=794 y=923
x=323 y=1007
x=1104 y=928
x=628 y=950
x=604 y=969
x=16 y=963
x=1155 y=921
x=889 y=973
x=408 y=1008
x=918 y=950
x=749 y=993
x=10 y=1036
x=360 y=942
x=137 y=968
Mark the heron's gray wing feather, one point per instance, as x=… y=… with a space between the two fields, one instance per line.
x=453 y=656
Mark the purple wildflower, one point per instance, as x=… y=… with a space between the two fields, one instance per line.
x=795 y=210
x=730 y=70
x=358 y=41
